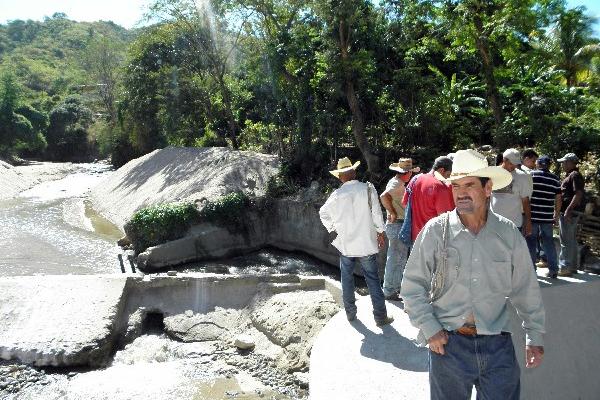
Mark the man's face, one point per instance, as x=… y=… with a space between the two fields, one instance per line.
x=470 y=196
x=507 y=165
x=529 y=162
x=568 y=166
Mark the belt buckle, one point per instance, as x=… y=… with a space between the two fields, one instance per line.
x=467 y=330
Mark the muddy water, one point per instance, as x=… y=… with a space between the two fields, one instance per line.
x=50 y=229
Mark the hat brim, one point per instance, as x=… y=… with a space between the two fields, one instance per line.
x=567 y=159
x=499 y=176
x=395 y=167
x=337 y=172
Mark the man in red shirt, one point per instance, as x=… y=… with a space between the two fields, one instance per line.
x=429 y=195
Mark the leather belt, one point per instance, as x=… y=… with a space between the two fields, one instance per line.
x=467 y=330
x=471 y=330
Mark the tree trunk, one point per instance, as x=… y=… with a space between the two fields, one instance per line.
x=231 y=122
x=492 y=94
x=358 y=121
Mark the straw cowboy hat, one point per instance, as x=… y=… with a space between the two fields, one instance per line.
x=472 y=163
x=344 y=165
x=404 y=165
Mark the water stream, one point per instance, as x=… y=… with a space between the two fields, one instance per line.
x=52 y=229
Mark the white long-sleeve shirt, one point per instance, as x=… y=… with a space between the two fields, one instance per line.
x=347 y=212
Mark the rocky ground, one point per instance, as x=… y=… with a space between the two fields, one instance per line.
x=259 y=352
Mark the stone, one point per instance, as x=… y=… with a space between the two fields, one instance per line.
x=244 y=342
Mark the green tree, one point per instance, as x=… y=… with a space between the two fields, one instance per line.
x=67 y=134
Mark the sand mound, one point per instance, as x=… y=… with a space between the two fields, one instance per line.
x=181 y=174
x=11 y=181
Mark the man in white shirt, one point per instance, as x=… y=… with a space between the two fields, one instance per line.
x=353 y=212
x=512 y=201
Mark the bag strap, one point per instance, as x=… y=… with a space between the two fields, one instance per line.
x=369 y=196
x=439 y=274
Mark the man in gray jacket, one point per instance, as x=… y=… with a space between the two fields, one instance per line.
x=464 y=266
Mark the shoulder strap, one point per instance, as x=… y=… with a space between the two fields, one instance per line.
x=439 y=273
x=369 y=189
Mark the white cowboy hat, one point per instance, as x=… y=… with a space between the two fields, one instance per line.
x=404 y=165
x=343 y=165
x=472 y=163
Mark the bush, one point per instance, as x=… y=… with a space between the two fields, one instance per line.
x=227 y=211
x=159 y=224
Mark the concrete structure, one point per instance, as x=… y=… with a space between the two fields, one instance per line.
x=80 y=320
x=60 y=320
x=358 y=361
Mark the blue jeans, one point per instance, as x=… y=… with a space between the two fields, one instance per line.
x=397 y=255
x=487 y=362
x=369 y=269
x=543 y=231
x=567 y=259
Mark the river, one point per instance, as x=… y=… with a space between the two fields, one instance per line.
x=52 y=229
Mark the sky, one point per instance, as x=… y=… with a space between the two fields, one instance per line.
x=128 y=13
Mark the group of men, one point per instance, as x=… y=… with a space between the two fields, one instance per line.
x=462 y=239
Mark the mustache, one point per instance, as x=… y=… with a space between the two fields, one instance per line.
x=464 y=198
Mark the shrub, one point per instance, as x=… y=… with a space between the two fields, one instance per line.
x=159 y=224
x=228 y=210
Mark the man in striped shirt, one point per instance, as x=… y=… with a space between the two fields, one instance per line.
x=545 y=202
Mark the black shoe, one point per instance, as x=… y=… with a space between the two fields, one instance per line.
x=385 y=321
x=551 y=275
x=394 y=297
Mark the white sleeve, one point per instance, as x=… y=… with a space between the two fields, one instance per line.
x=376 y=210
x=325 y=213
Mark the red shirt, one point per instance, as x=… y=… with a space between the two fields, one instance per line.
x=430 y=198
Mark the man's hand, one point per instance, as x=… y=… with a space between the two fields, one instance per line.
x=556 y=218
x=533 y=356
x=391 y=217
x=437 y=342
x=568 y=215
x=527 y=229
x=381 y=240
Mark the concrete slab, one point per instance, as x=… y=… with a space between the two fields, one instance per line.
x=59 y=320
x=358 y=360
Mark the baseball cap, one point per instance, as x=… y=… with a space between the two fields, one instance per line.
x=513 y=156
x=569 y=157
x=544 y=161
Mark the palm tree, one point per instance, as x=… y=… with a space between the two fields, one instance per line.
x=571 y=42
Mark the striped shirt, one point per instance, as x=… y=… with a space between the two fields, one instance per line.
x=545 y=188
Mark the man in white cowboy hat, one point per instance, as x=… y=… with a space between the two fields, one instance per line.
x=464 y=266
x=353 y=212
x=397 y=252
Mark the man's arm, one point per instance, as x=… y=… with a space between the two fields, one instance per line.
x=557 y=207
x=386 y=201
x=526 y=216
x=575 y=201
x=376 y=213
x=416 y=283
x=527 y=300
x=325 y=213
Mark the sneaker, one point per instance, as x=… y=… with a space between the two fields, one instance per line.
x=541 y=264
x=565 y=272
x=551 y=275
x=385 y=321
x=394 y=297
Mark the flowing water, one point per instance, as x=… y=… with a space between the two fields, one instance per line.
x=52 y=229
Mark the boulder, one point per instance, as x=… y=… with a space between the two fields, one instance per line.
x=244 y=342
x=291 y=321
x=203 y=327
